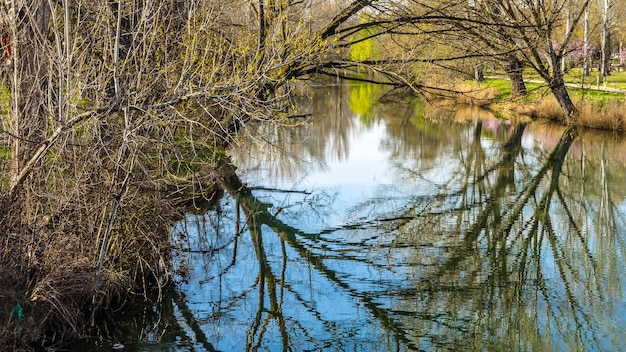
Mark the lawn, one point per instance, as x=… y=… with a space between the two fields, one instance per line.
x=615 y=80
x=587 y=90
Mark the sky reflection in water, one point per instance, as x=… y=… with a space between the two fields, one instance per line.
x=398 y=232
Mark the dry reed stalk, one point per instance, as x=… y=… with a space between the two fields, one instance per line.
x=549 y=109
x=610 y=116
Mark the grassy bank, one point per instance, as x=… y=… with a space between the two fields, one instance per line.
x=600 y=107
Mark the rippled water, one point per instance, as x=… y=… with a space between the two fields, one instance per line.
x=371 y=227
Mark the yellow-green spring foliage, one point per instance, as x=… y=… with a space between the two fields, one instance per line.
x=363 y=98
x=363 y=49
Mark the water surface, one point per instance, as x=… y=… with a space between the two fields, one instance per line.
x=395 y=226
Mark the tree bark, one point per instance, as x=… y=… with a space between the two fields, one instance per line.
x=558 y=89
x=586 y=53
x=606 y=52
x=514 y=67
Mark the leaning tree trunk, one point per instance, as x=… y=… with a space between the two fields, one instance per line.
x=30 y=23
x=514 y=67
x=558 y=89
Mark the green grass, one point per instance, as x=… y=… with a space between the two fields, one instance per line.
x=537 y=89
x=615 y=80
x=599 y=97
x=5 y=99
x=503 y=86
x=5 y=157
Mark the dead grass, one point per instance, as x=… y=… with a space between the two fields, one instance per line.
x=468 y=93
x=476 y=96
x=546 y=108
x=526 y=109
x=49 y=260
x=54 y=275
x=608 y=117
x=596 y=115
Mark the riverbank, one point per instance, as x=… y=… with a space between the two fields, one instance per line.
x=64 y=277
x=599 y=106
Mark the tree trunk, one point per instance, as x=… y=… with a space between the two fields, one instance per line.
x=568 y=28
x=28 y=92
x=514 y=67
x=606 y=53
x=605 y=64
x=479 y=74
x=558 y=89
x=586 y=53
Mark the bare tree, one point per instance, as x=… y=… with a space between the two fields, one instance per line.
x=120 y=111
x=532 y=26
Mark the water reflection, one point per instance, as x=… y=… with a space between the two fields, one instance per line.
x=405 y=233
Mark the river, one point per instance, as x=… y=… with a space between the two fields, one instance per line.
x=397 y=226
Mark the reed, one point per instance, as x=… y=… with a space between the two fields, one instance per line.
x=609 y=116
x=595 y=114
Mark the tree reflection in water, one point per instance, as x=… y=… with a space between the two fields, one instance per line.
x=485 y=242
